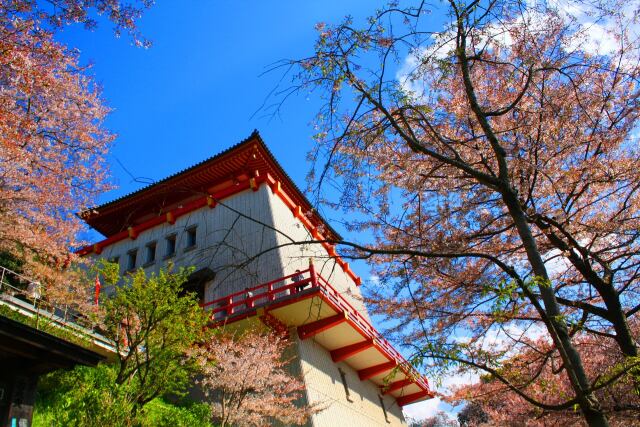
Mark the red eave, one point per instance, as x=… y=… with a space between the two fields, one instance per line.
x=337 y=326
x=236 y=165
x=249 y=164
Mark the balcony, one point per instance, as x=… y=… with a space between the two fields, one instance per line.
x=335 y=324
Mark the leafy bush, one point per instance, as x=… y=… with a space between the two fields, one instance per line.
x=87 y=396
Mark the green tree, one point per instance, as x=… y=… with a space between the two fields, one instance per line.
x=152 y=325
x=86 y=396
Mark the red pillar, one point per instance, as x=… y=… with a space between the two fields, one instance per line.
x=312 y=273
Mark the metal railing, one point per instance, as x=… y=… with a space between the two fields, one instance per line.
x=25 y=297
x=281 y=289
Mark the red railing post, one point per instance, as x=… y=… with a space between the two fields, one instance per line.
x=270 y=295
x=229 y=306
x=248 y=296
x=312 y=273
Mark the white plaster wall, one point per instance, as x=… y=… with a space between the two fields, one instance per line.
x=297 y=256
x=228 y=237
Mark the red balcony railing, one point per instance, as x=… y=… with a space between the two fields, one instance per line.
x=284 y=288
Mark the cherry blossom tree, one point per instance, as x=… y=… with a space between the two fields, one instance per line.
x=501 y=407
x=439 y=419
x=246 y=380
x=494 y=156
x=52 y=138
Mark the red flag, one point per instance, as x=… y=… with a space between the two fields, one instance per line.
x=97 y=294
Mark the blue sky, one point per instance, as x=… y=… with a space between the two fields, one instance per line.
x=195 y=92
x=200 y=87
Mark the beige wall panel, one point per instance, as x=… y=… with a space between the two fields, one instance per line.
x=297 y=256
x=229 y=236
x=324 y=387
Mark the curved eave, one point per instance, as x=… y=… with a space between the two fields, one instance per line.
x=235 y=164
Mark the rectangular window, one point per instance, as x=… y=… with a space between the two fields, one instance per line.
x=132 y=255
x=343 y=378
x=191 y=237
x=384 y=409
x=150 y=257
x=170 y=247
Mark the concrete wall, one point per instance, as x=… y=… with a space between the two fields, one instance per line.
x=324 y=387
x=296 y=256
x=228 y=237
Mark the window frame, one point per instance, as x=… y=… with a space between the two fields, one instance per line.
x=153 y=244
x=132 y=259
x=191 y=240
x=173 y=237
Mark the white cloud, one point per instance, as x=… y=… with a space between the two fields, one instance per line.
x=426 y=409
x=429 y=408
x=457 y=380
x=374 y=280
x=596 y=37
x=408 y=75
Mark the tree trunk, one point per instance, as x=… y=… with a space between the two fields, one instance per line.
x=573 y=364
x=605 y=288
x=624 y=338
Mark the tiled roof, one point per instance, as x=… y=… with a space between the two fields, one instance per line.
x=116 y=215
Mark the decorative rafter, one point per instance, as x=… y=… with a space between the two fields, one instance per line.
x=314 y=328
x=348 y=351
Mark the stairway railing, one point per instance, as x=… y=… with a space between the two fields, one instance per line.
x=25 y=296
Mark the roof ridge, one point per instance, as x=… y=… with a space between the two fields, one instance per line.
x=254 y=135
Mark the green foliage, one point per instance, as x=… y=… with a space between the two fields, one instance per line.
x=152 y=325
x=44 y=324
x=160 y=413
x=82 y=397
x=10 y=261
x=110 y=271
x=87 y=397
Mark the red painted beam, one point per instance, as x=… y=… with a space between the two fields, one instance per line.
x=367 y=373
x=346 y=352
x=397 y=385
x=314 y=328
x=405 y=400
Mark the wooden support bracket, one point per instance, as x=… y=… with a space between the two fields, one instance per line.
x=396 y=385
x=314 y=328
x=346 y=352
x=367 y=373
x=405 y=400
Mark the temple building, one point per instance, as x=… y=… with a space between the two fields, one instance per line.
x=239 y=220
